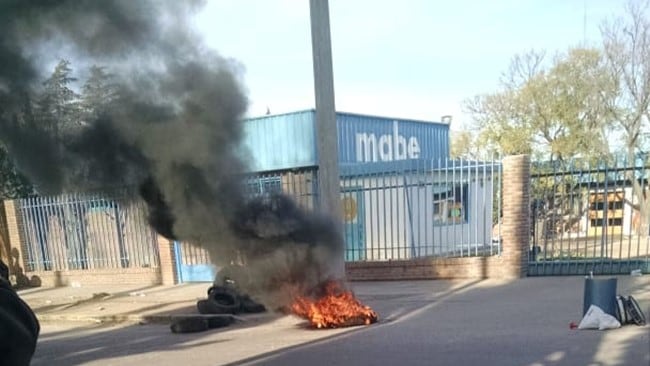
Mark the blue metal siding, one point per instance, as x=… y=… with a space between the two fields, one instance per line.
x=380 y=139
x=287 y=141
x=281 y=141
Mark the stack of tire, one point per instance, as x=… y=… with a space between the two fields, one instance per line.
x=217 y=310
x=227 y=300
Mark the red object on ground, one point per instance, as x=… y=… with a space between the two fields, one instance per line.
x=573 y=325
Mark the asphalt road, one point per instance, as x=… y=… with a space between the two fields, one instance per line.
x=490 y=326
x=525 y=322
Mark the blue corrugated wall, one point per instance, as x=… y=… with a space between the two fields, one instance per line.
x=286 y=141
x=279 y=142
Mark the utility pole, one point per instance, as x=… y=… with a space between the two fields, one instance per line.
x=326 y=131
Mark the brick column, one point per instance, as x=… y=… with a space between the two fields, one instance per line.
x=515 y=229
x=4 y=236
x=13 y=235
x=168 y=275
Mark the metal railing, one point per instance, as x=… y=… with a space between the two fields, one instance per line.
x=86 y=231
x=589 y=217
x=414 y=209
x=300 y=184
x=398 y=210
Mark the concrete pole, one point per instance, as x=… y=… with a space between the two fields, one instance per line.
x=326 y=132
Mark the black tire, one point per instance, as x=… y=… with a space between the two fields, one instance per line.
x=223 y=300
x=249 y=305
x=189 y=325
x=219 y=321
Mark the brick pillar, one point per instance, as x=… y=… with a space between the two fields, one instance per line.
x=515 y=229
x=168 y=275
x=4 y=236
x=13 y=235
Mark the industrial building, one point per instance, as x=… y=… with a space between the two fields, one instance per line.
x=402 y=196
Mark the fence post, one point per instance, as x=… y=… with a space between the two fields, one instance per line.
x=515 y=228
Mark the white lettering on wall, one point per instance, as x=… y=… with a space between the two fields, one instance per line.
x=388 y=147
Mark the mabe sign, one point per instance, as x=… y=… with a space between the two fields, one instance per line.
x=388 y=147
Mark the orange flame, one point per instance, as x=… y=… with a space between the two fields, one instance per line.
x=336 y=308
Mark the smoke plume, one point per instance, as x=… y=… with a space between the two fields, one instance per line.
x=173 y=131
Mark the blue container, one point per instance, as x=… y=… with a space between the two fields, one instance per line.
x=602 y=293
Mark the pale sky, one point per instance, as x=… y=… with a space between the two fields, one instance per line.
x=406 y=59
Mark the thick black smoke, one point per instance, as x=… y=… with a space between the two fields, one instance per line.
x=173 y=131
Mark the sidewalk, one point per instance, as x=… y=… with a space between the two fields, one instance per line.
x=114 y=303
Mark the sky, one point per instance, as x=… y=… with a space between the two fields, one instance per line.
x=412 y=59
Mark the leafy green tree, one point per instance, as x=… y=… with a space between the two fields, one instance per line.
x=553 y=109
x=554 y=112
x=57 y=108
x=98 y=93
x=12 y=183
x=471 y=146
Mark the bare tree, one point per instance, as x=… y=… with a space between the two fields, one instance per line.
x=626 y=47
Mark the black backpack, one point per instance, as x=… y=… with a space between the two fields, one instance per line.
x=628 y=311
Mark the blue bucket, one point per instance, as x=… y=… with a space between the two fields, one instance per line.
x=602 y=293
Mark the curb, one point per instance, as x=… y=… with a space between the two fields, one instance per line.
x=137 y=318
x=106 y=319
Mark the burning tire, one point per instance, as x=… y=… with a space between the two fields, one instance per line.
x=221 y=300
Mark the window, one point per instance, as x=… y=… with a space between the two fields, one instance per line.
x=450 y=204
x=609 y=205
x=265 y=185
x=610 y=222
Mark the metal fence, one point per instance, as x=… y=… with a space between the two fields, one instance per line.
x=589 y=218
x=301 y=184
x=413 y=209
x=397 y=210
x=86 y=231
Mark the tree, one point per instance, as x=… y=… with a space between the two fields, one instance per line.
x=98 y=93
x=555 y=112
x=626 y=47
x=469 y=145
x=12 y=183
x=461 y=145
x=57 y=106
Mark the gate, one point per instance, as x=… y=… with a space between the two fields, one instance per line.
x=589 y=218
x=193 y=263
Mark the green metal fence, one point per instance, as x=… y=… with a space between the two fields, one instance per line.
x=589 y=218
